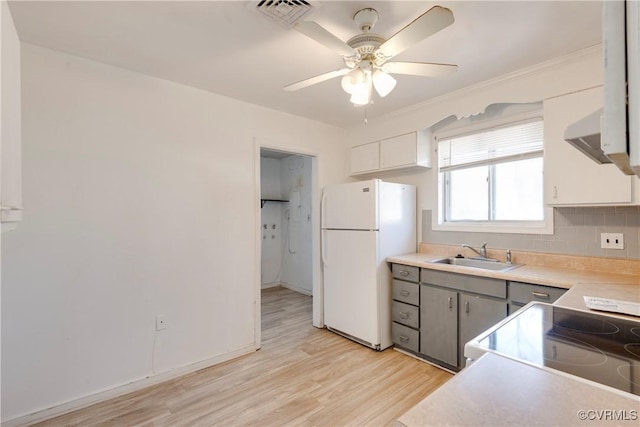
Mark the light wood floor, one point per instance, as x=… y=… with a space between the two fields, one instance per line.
x=301 y=376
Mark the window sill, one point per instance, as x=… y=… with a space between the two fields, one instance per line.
x=511 y=227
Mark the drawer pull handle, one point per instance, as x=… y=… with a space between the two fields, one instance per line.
x=466 y=307
x=541 y=295
x=405 y=293
x=450 y=303
x=403 y=273
x=404 y=338
x=404 y=315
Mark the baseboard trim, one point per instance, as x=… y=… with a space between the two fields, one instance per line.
x=296 y=289
x=435 y=365
x=83 y=402
x=270 y=285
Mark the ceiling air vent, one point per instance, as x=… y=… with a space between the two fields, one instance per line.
x=284 y=12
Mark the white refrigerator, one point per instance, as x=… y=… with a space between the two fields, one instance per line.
x=362 y=224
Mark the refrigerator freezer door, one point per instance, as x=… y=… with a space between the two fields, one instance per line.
x=351 y=294
x=351 y=206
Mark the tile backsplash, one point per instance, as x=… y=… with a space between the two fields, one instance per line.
x=576 y=232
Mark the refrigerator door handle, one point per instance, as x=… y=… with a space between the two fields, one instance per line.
x=323 y=246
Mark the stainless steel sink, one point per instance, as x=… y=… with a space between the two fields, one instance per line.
x=477 y=263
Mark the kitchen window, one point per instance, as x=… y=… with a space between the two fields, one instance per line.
x=491 y=179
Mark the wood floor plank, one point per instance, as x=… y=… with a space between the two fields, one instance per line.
x=301 y=376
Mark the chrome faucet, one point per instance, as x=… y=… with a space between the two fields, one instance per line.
x=482 y=253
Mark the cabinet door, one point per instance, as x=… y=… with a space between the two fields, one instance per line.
x=570 y=177
x=439 y=324
x=476 y=316
x=398 y=151
x=365 y=158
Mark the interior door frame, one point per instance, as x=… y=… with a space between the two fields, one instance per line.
x=318 y=300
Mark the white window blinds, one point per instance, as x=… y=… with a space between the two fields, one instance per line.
x=514 y=142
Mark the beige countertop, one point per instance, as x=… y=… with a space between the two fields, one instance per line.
x=496 y=391
x=536 y=274
x=574 y=297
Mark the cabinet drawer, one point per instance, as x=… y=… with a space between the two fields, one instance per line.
x=406 y=272
x=406 y=292
x=405 y=337
x=406 y=314
x=462 y=282
x=525 y=292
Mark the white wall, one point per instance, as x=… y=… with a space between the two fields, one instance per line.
x=140 y=199
x=271 y=215
x=9 y=113
x=297 y=269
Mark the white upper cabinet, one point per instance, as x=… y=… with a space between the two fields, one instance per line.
x=570 y=177
x=10 y=135
x=408 y=151
x=365 y=158
x=411 y=149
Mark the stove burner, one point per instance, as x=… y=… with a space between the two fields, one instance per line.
x=570 y=351
x=635 y=331
x=633 y=348
x=626 y=372
x=585 y=324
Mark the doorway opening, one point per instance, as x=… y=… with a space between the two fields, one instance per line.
x=287 y=220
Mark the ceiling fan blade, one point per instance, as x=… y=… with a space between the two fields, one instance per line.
x=426 y=69
x=427 y=24
x=317 y=79
x=316 y=32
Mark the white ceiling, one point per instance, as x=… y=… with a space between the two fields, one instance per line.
x=228 y=48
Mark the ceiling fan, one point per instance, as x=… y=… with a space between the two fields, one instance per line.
x=366 y=54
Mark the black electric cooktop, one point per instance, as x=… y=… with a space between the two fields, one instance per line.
x=590 y=345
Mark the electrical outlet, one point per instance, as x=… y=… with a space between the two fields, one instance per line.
x=612 y=241
x=161 y=323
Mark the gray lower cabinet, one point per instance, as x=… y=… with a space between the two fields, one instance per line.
x=454 y=308
x=477 y=314
x=439 y=324
x=435 y=313
x=405 y=313
x=405 y=337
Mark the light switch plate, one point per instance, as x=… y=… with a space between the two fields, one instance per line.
x=611 y=241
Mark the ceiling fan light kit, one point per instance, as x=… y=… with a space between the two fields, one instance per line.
x=366 y=54
x=383 y=82
x=361 y=94
x=351 y=80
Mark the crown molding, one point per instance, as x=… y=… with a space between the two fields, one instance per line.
x=518 y=74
